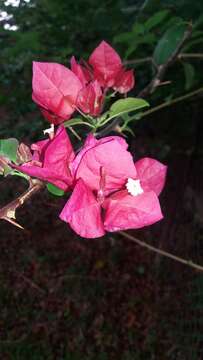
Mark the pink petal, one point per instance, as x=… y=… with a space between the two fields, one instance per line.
x=124 y=211
x=55 y=88
x=90 y=99
x=79 y=71
x=52 y=118
x=83 y=212
x=91 y=142
x=109 y=153
x=152 y=174
x=124 y=82
x=106 y=63
x=54 y=156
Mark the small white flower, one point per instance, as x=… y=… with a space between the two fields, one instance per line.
x=134 y=188
x=49 y=131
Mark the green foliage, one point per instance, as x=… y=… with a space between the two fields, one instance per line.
x=8 y=148
x=169 y=42
x=127 y=105
x=54 y=190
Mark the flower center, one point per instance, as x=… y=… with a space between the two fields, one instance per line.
x=134 y=188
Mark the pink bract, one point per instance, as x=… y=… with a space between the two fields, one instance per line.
x=109 y=153
x=108 y=69
x=90 y=99
x=50 y=161
x=106 y=64
x=55 y=90
x=100 y=200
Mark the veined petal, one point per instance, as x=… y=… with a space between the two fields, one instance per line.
x=152 y=174
x=83 y=212
x=124 y=211
x=110 y=154
x=55 y=88
x=53 y=157
x=106 y=63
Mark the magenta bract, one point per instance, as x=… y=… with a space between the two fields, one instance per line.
x=50 y=161
x=116 y=193
x=55 y=90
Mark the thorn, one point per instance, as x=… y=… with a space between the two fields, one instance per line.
x=13 y=222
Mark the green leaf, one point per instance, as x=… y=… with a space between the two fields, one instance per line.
x=156 y=19
x=55 y=190
x=169 y=43
x=189 y=71
x=127 y=105
x=76 y=121
x=8 y=148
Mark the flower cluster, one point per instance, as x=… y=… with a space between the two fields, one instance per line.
x=109 y=192
x=60 y=91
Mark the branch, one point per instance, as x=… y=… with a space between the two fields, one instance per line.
x=162 y=252
x=198 y=56
x=8 y=211
x=115 y=124
x=161 y=70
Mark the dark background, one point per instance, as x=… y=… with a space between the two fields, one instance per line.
x=62 y=297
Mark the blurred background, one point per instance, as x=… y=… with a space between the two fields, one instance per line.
x=62 y=297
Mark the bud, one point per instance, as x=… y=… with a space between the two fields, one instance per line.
x=24 y=154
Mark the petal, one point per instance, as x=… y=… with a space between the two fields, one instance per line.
x=124 y=211
x=79 y=71
x=90 y=98
x=83 y=212
x=124 y=82
x=55 y=88
x=152 y=174
x=54 y=156
x=109 y=153
x=105 y=62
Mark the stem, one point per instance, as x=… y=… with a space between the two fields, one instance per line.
x=198 y=56
x=162 y=252
x=172 y=102
x=8 y=211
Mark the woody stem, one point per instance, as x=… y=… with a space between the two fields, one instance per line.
x=162 y=252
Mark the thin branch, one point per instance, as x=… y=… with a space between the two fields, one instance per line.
x=117 y=121
x=8 y=211
x=198 y=56
x=172 y=102
x=161 y=70
x=162 y=252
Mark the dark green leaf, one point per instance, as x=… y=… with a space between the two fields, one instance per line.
x=8 y=148
x=54 y=190
x=189 y=71
x=156 y=19
x=169 y=43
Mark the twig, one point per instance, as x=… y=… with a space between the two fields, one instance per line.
x=198 y=56
x=162 y=252
x=8 y=211
x=172 y=102
x=161 y=70
x=116 y=122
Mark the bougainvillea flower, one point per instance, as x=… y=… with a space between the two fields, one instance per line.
x=108 y=69
x=83 y=212
x=55 y=90
x=80 y=71
x=50 y=160
x=125 y=81
x=111 y=192
x=109 y=153
x=90 y=98
x=106 y=64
